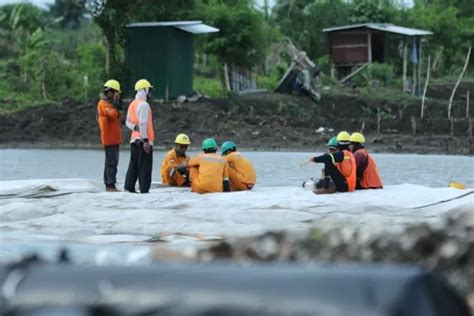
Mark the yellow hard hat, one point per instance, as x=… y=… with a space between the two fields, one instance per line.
x=112 y=84
x=357 y=138
x=182 y=139
x=142 y=84
x=343 y=137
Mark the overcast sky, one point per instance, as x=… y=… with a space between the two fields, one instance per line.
x=43 y=3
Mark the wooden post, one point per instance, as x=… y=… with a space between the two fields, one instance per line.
x=457 y=83
x=469 y=130
x=378 y=120
x=413 y=84
x=413 y=125
x=226 y=78
x=333 y=71
x=405 y=53
x=451 y=121
x=369 y=45
x=418 y=88
x=467 y=104
x=428 y=70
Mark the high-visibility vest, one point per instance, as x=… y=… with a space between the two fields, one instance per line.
x=348 y=169
x=370 y=177
x=132 y=114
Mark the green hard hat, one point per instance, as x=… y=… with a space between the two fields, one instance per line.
x=209 y=143
x=332 y=142
x=227 y=145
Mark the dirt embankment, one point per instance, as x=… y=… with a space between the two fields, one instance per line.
x=261 y=121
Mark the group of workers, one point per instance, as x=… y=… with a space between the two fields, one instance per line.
x=205 y=173
x=347 y=165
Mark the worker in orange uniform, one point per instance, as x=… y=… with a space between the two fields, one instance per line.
x=174 y=169
x=341 y=165
x=242 y=174
x=108 y=112
x=367 y=176
x=140 y=122
x=209 y=171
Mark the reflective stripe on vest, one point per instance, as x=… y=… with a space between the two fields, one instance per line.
x=132 y=114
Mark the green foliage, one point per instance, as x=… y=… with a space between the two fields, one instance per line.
x=209 y=87
x=241 y=39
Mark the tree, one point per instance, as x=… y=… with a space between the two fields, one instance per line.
x=69 y=13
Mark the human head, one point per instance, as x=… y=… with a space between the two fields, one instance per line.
x=209 y=145
x=182 y=142
x=332 y=144
x=343 y=140
x=111 y=87
x=357 y=141
x=144 y=85
x=227 y=147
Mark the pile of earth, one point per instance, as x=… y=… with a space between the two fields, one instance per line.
x=447 y=247
x=266 y=121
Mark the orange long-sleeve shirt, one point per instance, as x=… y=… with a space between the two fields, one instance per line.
x=244 y=170
x=109 y=124
x=212 y=171
x=170 y=162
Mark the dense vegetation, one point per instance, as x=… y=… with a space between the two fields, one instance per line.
x=70 y=49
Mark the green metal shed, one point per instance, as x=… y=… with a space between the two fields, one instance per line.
x=163 y=53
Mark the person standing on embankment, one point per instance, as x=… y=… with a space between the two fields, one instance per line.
x=140 y=122
x=108 y=112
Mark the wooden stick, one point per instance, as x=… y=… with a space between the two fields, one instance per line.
x=426 y=87
x=457 y=83
x=405 y=53
x=467 y=104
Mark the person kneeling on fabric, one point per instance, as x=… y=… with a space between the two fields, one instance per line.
x=174 y=171
x=241 y=171
x=325 y=185
x=340 y=166
x=208 y=171
x=368 y=176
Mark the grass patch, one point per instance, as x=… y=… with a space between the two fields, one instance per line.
x=210 y=87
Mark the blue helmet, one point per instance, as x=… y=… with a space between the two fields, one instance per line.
x=227 y=145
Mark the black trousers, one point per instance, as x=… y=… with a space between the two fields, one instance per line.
x=337 y=177
x=111 y=162
x=140 y=167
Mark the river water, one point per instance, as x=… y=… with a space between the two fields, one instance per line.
x=273 y=168
x=99 y=227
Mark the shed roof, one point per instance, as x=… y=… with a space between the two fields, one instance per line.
x=195 y=27
x=384 y=27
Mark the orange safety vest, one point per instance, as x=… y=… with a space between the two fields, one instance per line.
x=132 y=114
x=348 y=169
x=370 y=178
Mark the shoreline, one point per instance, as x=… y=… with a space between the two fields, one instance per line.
x=372 y=148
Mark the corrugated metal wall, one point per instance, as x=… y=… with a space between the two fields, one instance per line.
x=163 y=55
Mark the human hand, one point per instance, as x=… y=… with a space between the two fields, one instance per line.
x=147 y=147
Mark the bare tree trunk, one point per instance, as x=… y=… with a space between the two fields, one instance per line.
x=107 y=56
x=457 y=83
x=428 y=69
x=405 y=54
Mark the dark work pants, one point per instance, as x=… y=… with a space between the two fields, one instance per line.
x=338 y=179
x=111 y=162
x=140 y=167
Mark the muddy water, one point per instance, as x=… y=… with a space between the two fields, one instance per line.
x=273 y=168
